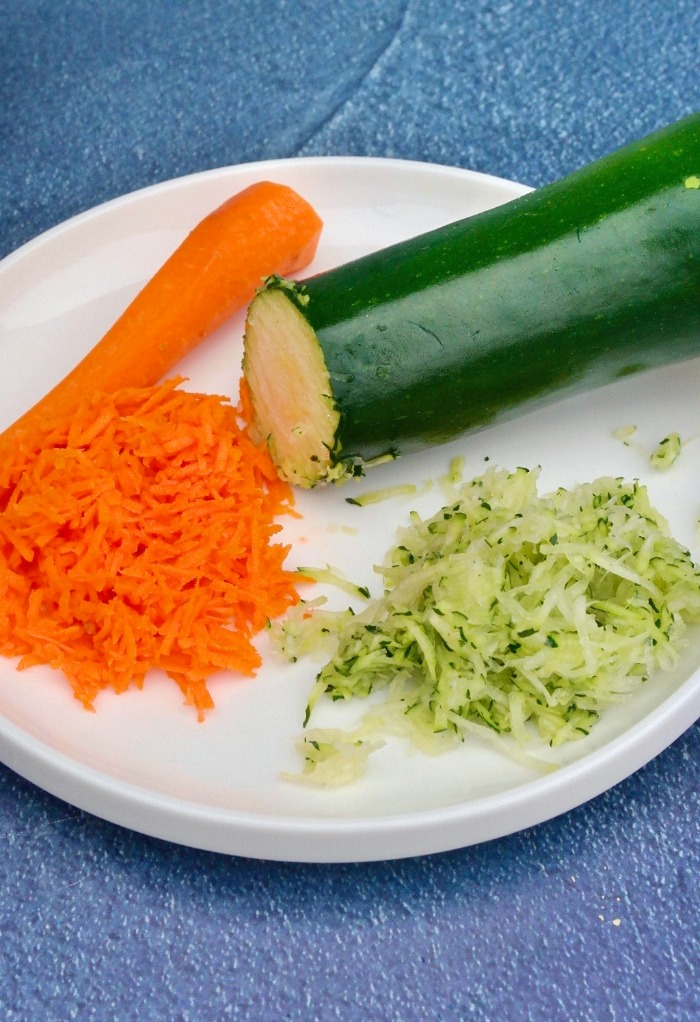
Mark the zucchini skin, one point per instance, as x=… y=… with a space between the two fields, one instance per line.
x=568 y=287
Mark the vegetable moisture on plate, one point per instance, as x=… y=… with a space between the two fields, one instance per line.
x=572 y=286
x=138 y=535
x=505 y=614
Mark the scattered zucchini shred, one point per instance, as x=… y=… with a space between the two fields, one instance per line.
x=377 y=496
x=331 y=762
x=667 y=452
x=625 y=434
x=507 y=613
x=334 y=577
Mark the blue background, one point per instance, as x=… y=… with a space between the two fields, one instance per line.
x=592 y=916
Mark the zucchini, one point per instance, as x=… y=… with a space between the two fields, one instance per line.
x=568 y=287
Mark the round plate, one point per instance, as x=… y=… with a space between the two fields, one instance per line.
x=142 y=760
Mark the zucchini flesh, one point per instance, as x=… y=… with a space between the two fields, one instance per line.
x=574 y=285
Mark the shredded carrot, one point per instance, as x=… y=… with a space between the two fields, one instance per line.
x=137 y=535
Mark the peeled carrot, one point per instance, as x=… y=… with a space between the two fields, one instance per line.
x=267 y=228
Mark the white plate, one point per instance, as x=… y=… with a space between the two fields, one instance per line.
x=142 y=760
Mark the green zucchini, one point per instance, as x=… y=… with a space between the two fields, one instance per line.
x=574 y=285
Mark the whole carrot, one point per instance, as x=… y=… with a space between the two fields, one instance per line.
x=267 y=228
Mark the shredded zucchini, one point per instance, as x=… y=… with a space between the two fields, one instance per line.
x=334 y=577
x=333 y=762
x=667 y=452
x=521 y=614
x=376 y=496
x=625 y=433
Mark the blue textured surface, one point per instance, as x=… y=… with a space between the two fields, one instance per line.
x=590 y=917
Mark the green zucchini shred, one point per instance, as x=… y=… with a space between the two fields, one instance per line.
x=334 y=577
x=667 y=452
x=506 y=612
x=333 y=763
x=387 y=493
x=625 y=434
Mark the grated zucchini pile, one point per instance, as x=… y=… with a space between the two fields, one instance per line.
x=509 y=611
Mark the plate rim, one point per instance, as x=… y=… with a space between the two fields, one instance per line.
x=212 y=173
x=343 y=836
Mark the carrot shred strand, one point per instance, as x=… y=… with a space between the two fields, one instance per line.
x=139 y=535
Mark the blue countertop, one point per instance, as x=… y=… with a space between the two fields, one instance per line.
x=592 y=916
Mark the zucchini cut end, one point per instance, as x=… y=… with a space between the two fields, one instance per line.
x=293 y=408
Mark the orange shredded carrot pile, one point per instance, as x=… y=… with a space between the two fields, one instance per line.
x=138 y=536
